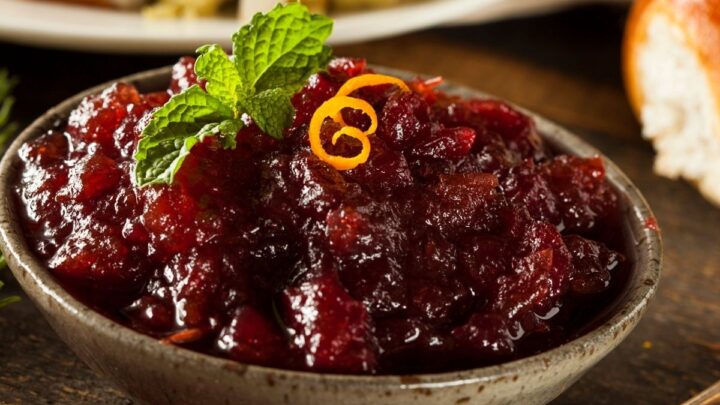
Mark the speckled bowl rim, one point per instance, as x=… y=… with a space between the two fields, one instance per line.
x=642 y=286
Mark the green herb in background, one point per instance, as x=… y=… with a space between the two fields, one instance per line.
x=7 y=130
x=7 y=300
x=272 y=58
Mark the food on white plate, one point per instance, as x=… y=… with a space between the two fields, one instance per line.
x=672 y=73
x=367 y=4
x=248 y=8
x=121 y=4
x=183 y=8
x=245 y=9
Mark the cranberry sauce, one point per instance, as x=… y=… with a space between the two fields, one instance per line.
x=463 y=241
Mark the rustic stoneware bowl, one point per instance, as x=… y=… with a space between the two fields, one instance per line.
x=160 y=374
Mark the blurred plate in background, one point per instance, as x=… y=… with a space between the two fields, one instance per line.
x=67 y=26
x=522 y=8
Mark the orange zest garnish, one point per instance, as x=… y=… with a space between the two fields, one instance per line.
x=333 y=108
x=184 y=336
x=426 y=86
x=368 y=80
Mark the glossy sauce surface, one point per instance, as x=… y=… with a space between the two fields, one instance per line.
x=463 y=241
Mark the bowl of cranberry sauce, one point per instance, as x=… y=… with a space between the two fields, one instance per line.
x=478 y=250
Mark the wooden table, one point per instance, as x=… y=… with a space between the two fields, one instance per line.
x=565 y=67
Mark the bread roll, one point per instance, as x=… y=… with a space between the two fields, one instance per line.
x=671 y=64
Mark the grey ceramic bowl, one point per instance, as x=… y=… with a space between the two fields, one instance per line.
x=160 y=374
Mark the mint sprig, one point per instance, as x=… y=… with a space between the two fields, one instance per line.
x=272 y=58
x=174 y=129
x=281 y=49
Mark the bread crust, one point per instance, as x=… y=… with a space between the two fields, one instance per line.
x=699 y=20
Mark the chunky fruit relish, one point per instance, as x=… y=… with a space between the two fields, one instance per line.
x=463 y=241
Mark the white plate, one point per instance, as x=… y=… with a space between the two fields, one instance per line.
x=76 y=27
x=522 y=8
x=65 y=26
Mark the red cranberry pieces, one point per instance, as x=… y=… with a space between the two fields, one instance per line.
x=450 y=144
x=44 y=175
x=516 y=129
x=169 y=218
x=329 y=327
x=525 y=185
x=483 y=259
x=319 y=89
x=346 y=68
x=150 y=313
x=346 y=227
x=583 y=194
x=593 y=264
x=440 y=303
x=462 y=203
x=252 y=338
x=405 y=117
x=91 y=176
x=183 y=75
x=317 y=187
x=461 y=237
x=304 y=185
x=484 y=337
x=95 y=251
x=47 y=149
x=385 y=172
x=194 y=281
x=97 y=117
x=368 y=244
x=495 y=122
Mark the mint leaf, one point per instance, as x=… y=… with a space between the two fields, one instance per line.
x=227 y=131
x=272 y=58
x=160 y=165
x=271 y=110
x=282 y=48
x=223 y=79
x=183 y=115
x=173 y=131
x=163 y=160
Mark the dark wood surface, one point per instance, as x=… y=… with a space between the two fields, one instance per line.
x=564 y=66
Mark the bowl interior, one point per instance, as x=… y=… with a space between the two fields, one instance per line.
x=644 y=246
